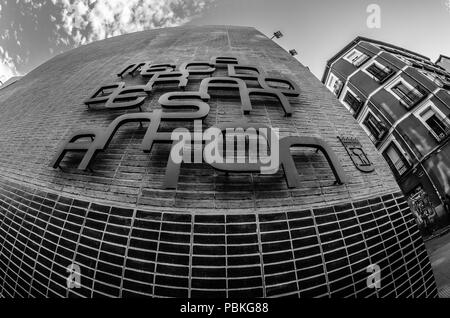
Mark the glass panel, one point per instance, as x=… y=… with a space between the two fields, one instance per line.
x=427 y=114
x=375 y=127
x=354 y=102
x=397 y=160
x=436 y=125
x=359 y=60
x=379 y=73
x=352 y=55
x=337 y=87
x=410 y=97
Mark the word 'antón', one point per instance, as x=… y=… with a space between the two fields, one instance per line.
x=120 y=96
x=101 y=139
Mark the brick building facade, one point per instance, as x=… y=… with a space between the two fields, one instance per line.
x=217 y=234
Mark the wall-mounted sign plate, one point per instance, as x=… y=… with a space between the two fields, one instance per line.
x=357 y=154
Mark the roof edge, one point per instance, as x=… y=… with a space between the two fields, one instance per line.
x=359 y=39
x=440 y=57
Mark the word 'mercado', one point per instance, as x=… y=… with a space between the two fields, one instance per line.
x=192 y=106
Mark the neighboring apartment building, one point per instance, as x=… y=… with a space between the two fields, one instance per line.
x=402 y=100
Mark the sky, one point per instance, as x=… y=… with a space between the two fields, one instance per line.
x=31 y=32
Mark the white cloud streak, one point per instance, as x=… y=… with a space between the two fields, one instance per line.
x=7 y=66
x=85 y=21
x=77 y=22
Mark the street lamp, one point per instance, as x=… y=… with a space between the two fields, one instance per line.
x=277 y=35
x=293 y=52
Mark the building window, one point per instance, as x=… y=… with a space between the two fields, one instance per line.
x=376 y=128
x=353 y=101
x=335 y=85
x=396 y=159
x=435 y=123
x=356 y=57
x=409 y=95
x=379 y=72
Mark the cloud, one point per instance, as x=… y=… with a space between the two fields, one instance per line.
x=30 y=31
x=85 y=21
x=447 y=5
x=7 y=66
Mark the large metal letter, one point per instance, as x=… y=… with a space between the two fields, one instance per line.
x=103 y=93
x=127 y=97
x=290 y=171
x=132 y=68
x=167 y=77
x=273 y=93
x=233 y=72
x=259 y=75
x=179 y=101
x=117 y=96
x=183 y=100
x=248 y=131
x=72 y=145
x=227 y=83
x=224 y=60
x=102 y=139
x=291 y=90
x=151 y=69
x=184 y=67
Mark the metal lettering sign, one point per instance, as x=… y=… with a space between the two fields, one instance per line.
x=191 y=107
x=357 y=154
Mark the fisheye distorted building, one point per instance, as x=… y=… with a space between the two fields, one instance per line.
x=402 y=100
x=213 y=232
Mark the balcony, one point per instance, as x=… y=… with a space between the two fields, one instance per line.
x=360 y=60
x=380 y=74
x=408 y=97
x=412 y=98
x=354 y=103
x=385 y=75
x=338 y=85
x=377 y=137
x=399 y=167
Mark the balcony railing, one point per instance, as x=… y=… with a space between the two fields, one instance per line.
x=376 y=139
x=381 y=75
x=338 y=88
x=412 y=97
x=360 y=60
x=442 y=136
x=354 y=102
x=400 y=166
